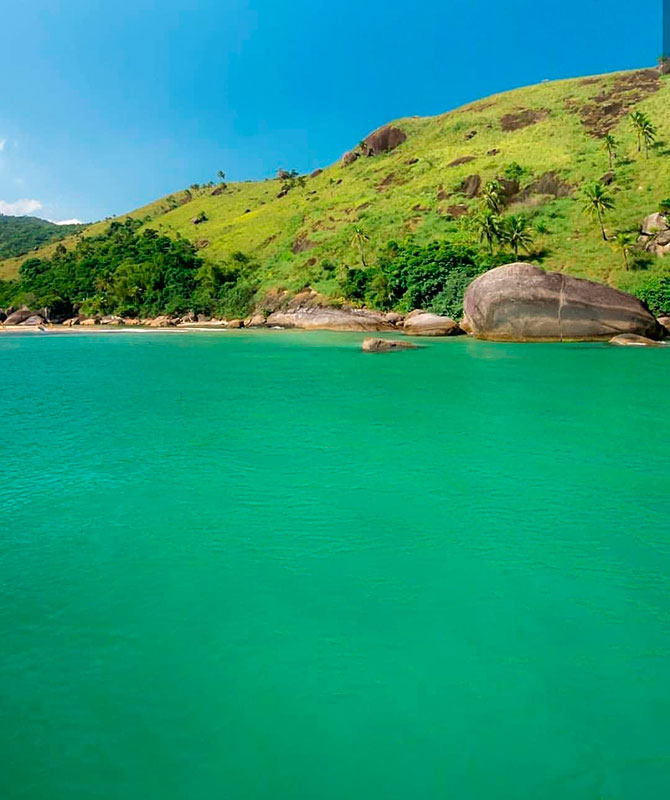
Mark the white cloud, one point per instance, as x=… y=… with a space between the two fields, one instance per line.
x=66 y=221
x=19 y=207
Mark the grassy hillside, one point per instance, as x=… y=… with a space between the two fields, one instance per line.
x=20 y=235
x=416 y=188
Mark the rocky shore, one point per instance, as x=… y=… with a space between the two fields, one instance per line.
x=513 y=303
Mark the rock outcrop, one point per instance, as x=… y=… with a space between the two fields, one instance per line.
x=656 y=234
x=633 y=340
x=386 y=345
x=664 y=322
x=383 y=140
x=523 y=303
x=33 y=321
x=425 y=324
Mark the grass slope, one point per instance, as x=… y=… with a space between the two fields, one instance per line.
x=20 y=235
x=395 y=194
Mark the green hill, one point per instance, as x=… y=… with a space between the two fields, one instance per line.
x=547 y=138
x=20 y=235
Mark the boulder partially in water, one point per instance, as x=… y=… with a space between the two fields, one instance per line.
x=426 y=324
x=523 y=303
x=386 y=345
x=633 y=340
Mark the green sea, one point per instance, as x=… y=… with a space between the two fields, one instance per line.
x=263 y=565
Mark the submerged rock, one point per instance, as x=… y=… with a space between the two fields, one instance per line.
x=386 y=345
x=425 y=324
x=523 y=303
x=633 y=340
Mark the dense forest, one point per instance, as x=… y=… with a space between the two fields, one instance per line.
x=19 y=235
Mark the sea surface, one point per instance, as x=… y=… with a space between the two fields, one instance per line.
x=264 y=565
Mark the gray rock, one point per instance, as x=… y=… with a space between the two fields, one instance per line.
x=430 y=325
x=112 y=320
x=523 y=303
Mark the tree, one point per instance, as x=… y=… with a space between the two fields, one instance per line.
x=487 y=224
x=596 y=203
x=625 y=241
x=359 y=240
x=492 y=196
x=515 y=231
x=611 y=145
x=638 y=119
x=221 y=175
x=664 y=207
x=648 y=132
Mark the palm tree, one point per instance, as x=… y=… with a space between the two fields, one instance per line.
x=516 y=233
x=648 y=135
x=637 y=119
x=359 y=240
x=596 y=203
x=611 y=145
x=493 y=197
x=625 y=241
x=221 y=175
x=487 y=225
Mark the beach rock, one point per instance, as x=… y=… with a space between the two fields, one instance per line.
x=523 y=303
x=394 y=318
x=633 y=340
x=189 y=317
x=90 y=321
x=132 y=321
x=430 y=325
x=35 y=319
x=664 y=322
x=112 y=320
x=257 y=321
x=235 y=323
x=330 y=319
x=68 y=323
x=161 y=322
x=20 y=316
x=3 y=316
x=385 y=345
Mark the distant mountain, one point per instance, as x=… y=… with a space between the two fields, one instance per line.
x=20 y=235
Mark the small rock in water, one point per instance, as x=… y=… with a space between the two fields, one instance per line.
x=386 y=345
x=633 y=340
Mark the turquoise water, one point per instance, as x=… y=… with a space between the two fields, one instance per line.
x=266 y=565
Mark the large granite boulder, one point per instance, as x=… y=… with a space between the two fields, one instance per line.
x=523 y=303
x=426 y=324
x=664 y=322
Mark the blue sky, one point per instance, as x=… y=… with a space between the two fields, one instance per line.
x=106 y=105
